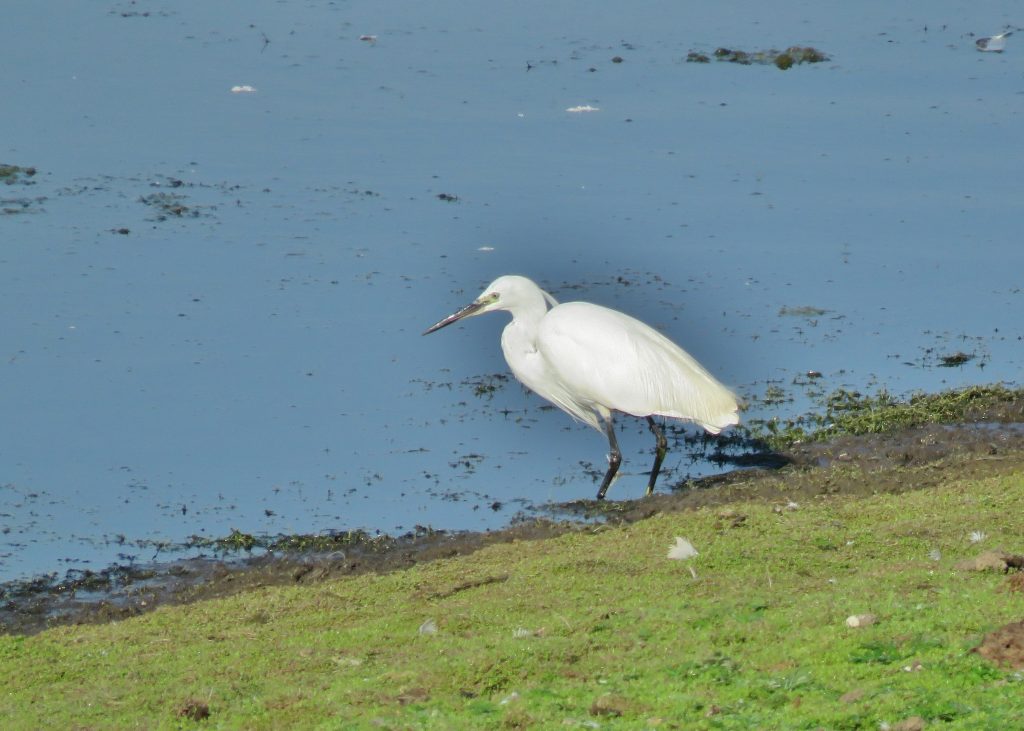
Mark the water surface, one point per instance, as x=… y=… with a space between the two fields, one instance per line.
x=212 y=301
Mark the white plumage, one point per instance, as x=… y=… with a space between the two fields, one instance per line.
x=590 y=360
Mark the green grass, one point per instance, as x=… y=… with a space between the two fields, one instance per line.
x=589 y=628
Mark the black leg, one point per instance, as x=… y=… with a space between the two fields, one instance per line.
x=659 y=454
x=614 y=459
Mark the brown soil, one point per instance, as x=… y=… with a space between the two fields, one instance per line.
x=1005 y=646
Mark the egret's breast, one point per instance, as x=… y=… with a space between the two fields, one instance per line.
x=531 y=367
x=523 y=358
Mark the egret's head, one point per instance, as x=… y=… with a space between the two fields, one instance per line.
x=504 y=293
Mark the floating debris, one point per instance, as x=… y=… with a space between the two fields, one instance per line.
x=243 y=89
x=368 y=38
x=954 y=360
x=584 y=108
x=486 y=386
x=802 y=311
x=12 y=174
x=14 y=206
x=169 y=204
x=783 y=60
x=447 y=197
x=993 y=44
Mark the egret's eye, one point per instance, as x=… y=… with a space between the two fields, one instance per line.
x=489 y=299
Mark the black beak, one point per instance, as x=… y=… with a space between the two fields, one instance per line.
x=470 y=309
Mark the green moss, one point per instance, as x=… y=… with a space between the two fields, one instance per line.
x=850 y=412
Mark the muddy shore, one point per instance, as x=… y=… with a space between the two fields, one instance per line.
x=911 y=459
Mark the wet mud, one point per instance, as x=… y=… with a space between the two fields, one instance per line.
x=911 y=459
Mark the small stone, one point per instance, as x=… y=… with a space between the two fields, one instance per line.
x=987 y=561
x=852 y=696
x=860 y=620
x=609 y=705
x=194 y=710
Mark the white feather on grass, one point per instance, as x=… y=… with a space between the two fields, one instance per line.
x=682 y=550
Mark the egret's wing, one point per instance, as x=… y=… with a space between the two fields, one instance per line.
x=610 y=359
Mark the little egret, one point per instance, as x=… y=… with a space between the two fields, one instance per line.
x=589 y=361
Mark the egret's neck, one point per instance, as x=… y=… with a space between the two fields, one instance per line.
x=526 y=317
x=519 y=338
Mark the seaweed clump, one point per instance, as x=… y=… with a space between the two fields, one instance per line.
x=792 y=56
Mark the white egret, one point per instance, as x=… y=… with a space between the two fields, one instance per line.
x=589 y=361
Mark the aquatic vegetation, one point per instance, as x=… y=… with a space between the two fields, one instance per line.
x=851 y=412
x=11 y=174
x=802 y=311
x=956 y=359
x=168 y=204
x=783 y=60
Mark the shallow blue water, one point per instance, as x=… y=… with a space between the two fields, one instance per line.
x=256 y=363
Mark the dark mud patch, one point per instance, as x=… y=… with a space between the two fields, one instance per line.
x=119 y=592
x=912 y=459
x=868 y=464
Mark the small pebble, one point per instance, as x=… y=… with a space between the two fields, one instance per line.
x=860 y=620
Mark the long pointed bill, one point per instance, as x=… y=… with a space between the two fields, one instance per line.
x=470 y=309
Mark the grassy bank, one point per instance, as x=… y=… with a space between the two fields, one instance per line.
x=589 y=630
